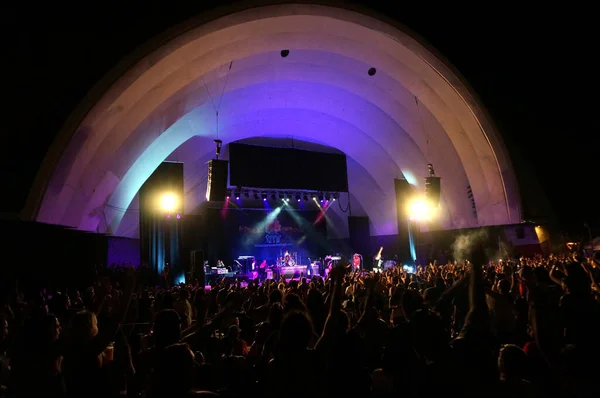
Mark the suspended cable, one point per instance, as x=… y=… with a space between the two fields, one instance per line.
x=192 y=189
x=120 y=208
x=347 y=207
x=217 y=106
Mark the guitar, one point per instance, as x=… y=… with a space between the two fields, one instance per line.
x=378 y=258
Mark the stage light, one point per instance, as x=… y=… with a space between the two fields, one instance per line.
x=178 y=216
x=264 y=199
x=227 y=198
x=237 y=198
x=419 y=210
x=168 y=202
x=298 y=197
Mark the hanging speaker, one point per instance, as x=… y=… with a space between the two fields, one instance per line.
x=216 y=187
x=432 y=190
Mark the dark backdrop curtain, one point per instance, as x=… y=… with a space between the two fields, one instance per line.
x=173 y=252
x=152 y=242
x=160 y=239
x=231 y=233
x=160 y=231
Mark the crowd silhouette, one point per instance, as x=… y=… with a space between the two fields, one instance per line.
x=527 y=327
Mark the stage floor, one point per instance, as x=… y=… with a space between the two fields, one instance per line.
x=289 y=275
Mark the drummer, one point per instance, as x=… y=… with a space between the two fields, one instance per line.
x=288 y=261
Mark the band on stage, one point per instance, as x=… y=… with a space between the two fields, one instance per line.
x=290 y=264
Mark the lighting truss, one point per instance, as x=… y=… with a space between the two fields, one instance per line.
x=281 y=195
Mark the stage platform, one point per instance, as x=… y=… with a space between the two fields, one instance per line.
x=289 y=273
x=296 y=270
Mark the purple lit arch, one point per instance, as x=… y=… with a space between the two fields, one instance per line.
x=415 y=110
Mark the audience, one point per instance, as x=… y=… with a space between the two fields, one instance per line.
x=513 y=328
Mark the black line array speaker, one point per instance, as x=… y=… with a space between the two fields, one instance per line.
x=432 y=190
x=216 y=187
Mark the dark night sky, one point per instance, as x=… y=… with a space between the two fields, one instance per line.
x=533 y=69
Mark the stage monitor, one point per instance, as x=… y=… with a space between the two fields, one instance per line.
x=286 y=168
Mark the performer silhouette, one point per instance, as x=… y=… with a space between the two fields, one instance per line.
x=357 y=261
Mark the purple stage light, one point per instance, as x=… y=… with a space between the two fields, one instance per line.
x=237 y=198
x=178 y=216
x=168 y=216
x=264 y=199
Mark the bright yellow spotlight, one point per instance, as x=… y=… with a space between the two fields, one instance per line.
x=168 y=202
x=419 y=210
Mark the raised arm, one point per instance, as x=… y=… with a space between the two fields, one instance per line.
x=450 y=292
x=331 y=325
x=554 y=276
x=476 y=320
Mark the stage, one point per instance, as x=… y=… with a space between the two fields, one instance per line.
x=230 y=233
x=289 y=273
